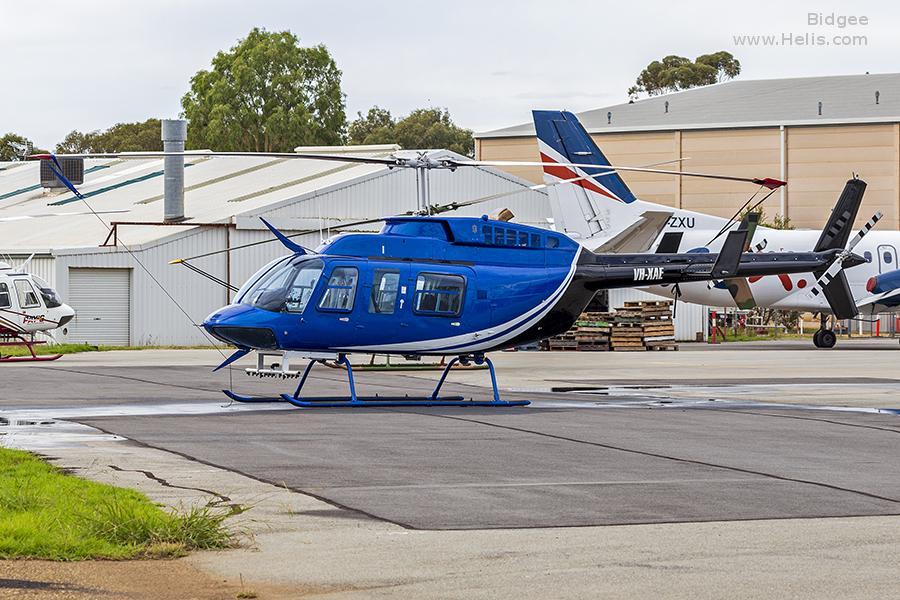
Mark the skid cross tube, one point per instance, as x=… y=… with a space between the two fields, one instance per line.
x=9 y=339
x=356 y=401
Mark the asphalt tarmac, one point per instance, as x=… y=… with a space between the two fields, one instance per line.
x=568 y=460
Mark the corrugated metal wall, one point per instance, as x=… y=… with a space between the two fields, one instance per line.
x=155 y=318
x=42 y=266
x=690 y=319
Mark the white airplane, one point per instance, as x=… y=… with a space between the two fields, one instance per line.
x=596 y=206
x=28 y=305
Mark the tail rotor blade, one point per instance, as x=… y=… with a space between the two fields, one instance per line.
x=865 y=230
x=829 y=274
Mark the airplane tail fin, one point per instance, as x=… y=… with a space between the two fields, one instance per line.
x=577 y=202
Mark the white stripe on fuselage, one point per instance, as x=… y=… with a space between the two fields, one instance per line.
x=472 y=342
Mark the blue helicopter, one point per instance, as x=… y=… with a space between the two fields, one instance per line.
x=459 y=287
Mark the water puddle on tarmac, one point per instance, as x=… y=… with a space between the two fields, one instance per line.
x=47 y=428
x=719 y=397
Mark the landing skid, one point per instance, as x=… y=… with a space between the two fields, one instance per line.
x=30 y=344
x=354 y=401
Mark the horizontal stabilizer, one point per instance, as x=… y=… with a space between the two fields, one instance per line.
x=638 y=237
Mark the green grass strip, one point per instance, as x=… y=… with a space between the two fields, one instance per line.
x=47 y=514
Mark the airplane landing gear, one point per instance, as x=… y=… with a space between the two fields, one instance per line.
x=824 y=337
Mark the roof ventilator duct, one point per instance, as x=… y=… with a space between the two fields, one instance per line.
x=174 y=134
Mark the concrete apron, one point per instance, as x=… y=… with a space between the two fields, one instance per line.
x=292 y=538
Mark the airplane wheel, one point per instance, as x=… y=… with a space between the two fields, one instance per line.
x=827 y=339
x=817 y=339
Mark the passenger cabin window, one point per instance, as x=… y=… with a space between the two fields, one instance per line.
x=384 y=291
x=4 y=296
x=27 y=296
x=341 y=289
x=438 y=294
x=888 y=257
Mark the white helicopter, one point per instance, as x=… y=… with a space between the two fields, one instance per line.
x=28 y=305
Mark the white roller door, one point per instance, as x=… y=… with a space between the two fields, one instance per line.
x=102 y=302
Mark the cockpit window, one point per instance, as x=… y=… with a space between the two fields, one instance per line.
x=250 y=283
x=4 y=296
x=27 y=297
x=286 y=288
x=51 y=298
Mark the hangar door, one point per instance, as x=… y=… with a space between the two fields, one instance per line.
x=102 y=302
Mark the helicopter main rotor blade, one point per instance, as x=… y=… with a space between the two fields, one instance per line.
x=767 y=182
x=350 y=158
x=442 y=208
x=421 y=161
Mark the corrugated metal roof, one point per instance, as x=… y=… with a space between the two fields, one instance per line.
x=747 y=103
x=217 y=190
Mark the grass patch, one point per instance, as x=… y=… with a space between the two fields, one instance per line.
x=77 y=348
x=47 y=514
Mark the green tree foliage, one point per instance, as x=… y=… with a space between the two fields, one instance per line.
x=376 y=127
x=121 y=137
x=422 y=128
x=8 y=150
x=674 y=73
x=266 y=94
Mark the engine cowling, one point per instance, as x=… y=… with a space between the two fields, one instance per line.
x=885 y=282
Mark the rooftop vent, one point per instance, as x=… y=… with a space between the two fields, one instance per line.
x=174 y=134
x=72 y=169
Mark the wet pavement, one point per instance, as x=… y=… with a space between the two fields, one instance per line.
x=612 y=453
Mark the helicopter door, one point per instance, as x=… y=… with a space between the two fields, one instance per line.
x=384 y=300
x=387 y=293
x=887 y=258
x=29 y=302
x=337 y=301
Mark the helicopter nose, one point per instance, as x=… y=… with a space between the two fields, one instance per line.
x=66 y=313
x=241 y=326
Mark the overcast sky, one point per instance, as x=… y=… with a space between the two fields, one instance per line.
x=87 y=64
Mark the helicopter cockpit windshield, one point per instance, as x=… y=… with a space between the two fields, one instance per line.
x=286 y=288
x=51 y=298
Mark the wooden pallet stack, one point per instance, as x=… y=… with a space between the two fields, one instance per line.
x=590 y=333
x=641 y=326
